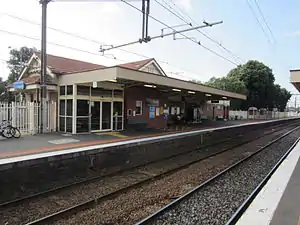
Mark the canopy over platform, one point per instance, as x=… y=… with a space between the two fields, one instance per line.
x=295 y=78
x=131 y=77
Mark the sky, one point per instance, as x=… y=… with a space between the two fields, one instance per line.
x=238 y=39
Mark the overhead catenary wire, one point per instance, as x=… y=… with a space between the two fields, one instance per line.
x=264 y=19
x=90 y=40
x=163 y=23
x=174 y=13
x=257 y=20
x=206 y=35
x=84 y=51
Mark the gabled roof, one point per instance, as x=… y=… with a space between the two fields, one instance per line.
x=60 y=65
x=140 y=65
x=136 y=65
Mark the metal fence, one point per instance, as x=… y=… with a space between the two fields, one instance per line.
x=26 y=116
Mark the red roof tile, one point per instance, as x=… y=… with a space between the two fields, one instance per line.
x=136 y=65
x=61 y=65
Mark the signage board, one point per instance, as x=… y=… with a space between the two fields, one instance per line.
x=152 y=102
x=95 y=84
x=19 y=85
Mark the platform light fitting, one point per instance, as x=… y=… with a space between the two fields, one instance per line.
x=176 y=90
x=149 y=85
x=208 y=95
x=113 y=81
x=191 y=92
x=224 y=97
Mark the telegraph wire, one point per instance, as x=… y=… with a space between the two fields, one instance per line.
x=58 y=45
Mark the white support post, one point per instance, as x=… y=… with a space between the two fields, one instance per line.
x=74 y=113
x=13 y=114
x=32 y=124
x=112 y=115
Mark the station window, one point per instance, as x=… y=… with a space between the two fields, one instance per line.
x=70 y=90
x=138 y=108
x=62 y=90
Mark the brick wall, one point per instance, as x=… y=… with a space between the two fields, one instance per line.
x=134 y=94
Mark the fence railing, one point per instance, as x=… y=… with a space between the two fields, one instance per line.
x=26 y=116
x=267 y=115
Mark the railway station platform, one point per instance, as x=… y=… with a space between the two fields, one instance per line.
x=52 y=142
x=278 y=203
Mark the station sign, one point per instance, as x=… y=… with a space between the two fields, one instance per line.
x=19 y=85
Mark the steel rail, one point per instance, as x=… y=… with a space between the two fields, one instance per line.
x=94 y=178
x=170 y=206
x=237 y=215
x=95 y=201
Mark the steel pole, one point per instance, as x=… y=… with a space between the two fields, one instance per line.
x=43 y=64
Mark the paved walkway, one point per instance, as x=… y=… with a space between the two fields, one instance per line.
x=56 y=141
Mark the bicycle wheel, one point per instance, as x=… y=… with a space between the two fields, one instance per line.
x=7 y=132
x=15 y=132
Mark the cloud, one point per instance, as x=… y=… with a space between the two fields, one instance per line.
x=294 y=34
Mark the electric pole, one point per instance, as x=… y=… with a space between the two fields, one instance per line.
x=42 y=116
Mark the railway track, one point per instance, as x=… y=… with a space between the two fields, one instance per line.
x=223 y=198
x=93 y=201
x=94 y=178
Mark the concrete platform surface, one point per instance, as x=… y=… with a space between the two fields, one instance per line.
x=278 y=203
x=57 y=141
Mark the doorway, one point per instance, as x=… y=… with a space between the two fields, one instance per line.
x=106 y=116
x=95 y=116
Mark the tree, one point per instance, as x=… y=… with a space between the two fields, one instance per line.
x=256 y=80
x=281 y=97
x=16 y=62
x=2 y=90
x=229 y=83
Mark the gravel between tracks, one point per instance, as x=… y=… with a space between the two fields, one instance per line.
x=40 y=207
x=137 y=203
x=218 y=201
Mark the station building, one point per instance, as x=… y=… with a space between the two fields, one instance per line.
x=95 y=98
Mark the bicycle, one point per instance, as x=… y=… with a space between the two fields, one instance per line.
x=9 y=131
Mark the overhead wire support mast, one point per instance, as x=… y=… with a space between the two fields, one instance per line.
x=163 y=35
x=42 y=116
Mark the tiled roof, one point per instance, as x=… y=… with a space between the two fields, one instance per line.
x=136 y=65
x=61 y=65
x=31 y=80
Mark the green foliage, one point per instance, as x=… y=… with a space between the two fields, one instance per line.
x=18 y=57
x=2 y=90
x=256 y=80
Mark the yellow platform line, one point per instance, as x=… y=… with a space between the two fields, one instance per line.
x=115 y=134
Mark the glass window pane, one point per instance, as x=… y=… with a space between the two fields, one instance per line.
x=69 y=124
x=62 y=90
x=83 y=108
x=118 y=108
x=82 y=125
x=69 y=107
x=62 y=107
x=70 y=90
x=83 y=90
x=62 y=124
